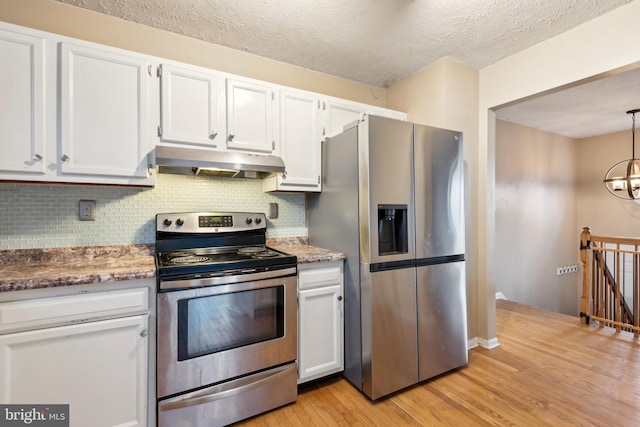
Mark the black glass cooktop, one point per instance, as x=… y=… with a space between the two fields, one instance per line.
x=209 y=262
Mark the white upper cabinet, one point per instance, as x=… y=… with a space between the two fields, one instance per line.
x=104 y=116
x=80 y=112
x=385 y=112
x=22 y=103
x=339 y=113
x=250 y=118
x=192 y=107
x=300 y=140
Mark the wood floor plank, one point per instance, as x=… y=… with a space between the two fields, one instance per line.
x=550 y=370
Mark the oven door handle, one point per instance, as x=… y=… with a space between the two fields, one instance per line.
x=223 y=391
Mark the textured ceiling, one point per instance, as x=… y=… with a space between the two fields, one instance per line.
x=379 y=42
x=594 y=108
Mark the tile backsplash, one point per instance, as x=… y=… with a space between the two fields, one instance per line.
x=46 y=215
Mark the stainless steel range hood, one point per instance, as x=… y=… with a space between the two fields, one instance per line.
x=193 y=161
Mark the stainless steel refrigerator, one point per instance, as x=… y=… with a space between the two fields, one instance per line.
x=392 y=201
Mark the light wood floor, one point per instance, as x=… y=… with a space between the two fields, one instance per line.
x=549 y=370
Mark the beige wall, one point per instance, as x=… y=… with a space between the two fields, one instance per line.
x=445 y=95
x=54 y=17
x=536 y=204
x=604 y=45
x=605 y=214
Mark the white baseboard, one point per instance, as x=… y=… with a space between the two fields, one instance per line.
x=500 y=295
x=488 y=344
x=483 y=342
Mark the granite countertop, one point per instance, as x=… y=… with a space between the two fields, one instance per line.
x=25 y=269
x=47 y=268
x=299 y=247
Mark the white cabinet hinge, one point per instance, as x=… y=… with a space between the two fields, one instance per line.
x=149 y=68
x=159 y=131
x=159 y=71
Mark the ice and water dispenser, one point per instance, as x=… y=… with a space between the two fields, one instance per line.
x=392 y=229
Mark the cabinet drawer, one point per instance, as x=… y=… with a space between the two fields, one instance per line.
x=45 y=312
x=315 y=276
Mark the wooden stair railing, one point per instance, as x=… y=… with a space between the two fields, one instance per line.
x=610 y=288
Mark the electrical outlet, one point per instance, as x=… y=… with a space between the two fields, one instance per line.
x=87 y=210
x=566 y=269
x=273 y=211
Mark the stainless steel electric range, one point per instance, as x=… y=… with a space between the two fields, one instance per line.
x=227 y=332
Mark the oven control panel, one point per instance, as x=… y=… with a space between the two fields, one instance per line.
x=215 y=221
x=210 y=222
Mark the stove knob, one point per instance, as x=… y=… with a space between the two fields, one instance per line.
x=179 y=222
x=258 y=220
x=167 y=222
x=249 y=220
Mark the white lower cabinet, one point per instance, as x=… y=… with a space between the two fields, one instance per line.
x=99 y=368
x=320 y=320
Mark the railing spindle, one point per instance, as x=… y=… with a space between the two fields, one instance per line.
x=607 y=294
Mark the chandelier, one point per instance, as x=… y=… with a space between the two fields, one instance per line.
x=623 y=179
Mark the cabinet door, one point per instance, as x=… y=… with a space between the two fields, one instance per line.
x=191 y=106
x=300 y=141
x=320 y=332
x=98 y=368
x=103 y=113
x=22 y=140
x=250 y=116
x=337 y=114
x=385 y=112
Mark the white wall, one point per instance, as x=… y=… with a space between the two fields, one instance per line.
x=536 y=202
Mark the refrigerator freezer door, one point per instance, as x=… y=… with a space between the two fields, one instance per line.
x=439 y=182
x=442 y=318
x=388 y=144
x=390 y=359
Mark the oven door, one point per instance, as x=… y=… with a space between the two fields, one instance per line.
x=213 y=334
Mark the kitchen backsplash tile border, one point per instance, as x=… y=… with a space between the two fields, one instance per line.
x=46 y=215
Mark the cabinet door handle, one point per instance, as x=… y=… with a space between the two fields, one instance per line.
x=231 y=136
x=64 y=158
x=339 y=297
x=213 y=135
x=36 y=157
x=144 y=333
